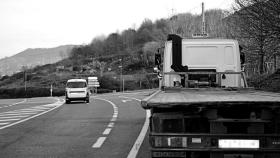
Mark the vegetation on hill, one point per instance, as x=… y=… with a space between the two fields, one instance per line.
x=130 y=53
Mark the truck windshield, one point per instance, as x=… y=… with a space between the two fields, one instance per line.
x=76 y=84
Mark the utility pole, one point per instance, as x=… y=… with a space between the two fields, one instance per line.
x=121 y=76
x=25 y=78
x=51 y=90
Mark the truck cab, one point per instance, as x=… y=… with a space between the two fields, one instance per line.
x=204 y=55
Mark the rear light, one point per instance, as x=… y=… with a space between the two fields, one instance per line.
x=168 y=154
x=273 y=143
x=177 y=142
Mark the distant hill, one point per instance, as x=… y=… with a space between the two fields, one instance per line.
x=33 y=57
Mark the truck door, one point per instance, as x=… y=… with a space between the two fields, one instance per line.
x=229 y=80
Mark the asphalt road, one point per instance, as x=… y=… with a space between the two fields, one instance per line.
x=109 y=126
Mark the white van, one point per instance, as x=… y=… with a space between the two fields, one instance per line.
x=77 y=89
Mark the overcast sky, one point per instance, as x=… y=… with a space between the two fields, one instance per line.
x=50 y=23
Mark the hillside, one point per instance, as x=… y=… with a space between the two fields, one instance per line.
x=132 y=49
x=32 y=57
x=129 y=53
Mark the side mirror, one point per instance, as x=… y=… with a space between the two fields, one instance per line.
x=157 y=59
x=156 y=70
x=242 y=55
x=242 y=58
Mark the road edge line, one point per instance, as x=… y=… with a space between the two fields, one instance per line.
x=136 y=146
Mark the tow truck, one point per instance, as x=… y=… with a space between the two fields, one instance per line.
x=204 y=107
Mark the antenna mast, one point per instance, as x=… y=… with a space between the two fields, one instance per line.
x=203 y=33
x=203 y=20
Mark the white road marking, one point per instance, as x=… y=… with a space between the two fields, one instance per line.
x=9 y=120
x=111 y=124
x=14 y=104
x=4 y=123
x=29 y=110
x=130 y=98
x=107 y=131
x=54 y=105
x=18 y=102
x=126 y=100
x=134 y=150
x=49 y=105
x=99 y=142
x=8 y=117
x=18 y=113
x=40 y=107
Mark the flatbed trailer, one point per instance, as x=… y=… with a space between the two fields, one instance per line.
x=205 y=109
x=214 y=123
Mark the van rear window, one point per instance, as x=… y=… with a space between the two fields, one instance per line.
x=76 y=84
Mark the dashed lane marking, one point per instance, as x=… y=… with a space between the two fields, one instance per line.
x=111 y=124
x=99 y=142
x=107 y=131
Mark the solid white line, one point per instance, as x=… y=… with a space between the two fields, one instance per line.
x=4 y=123
x=58 y=103
x=19 y=113
x=99 y=142
x=9 y=120
x=29 y=110
x=49 y=105
x=13 y=116
x=39 y=107
x=14 y=104
x=107 y=131
x=18 y=102
x=134 y=150
x=130 y=98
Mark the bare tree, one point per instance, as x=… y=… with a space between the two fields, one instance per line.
x=258 y=26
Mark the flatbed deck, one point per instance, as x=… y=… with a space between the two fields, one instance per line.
x=211 y=97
